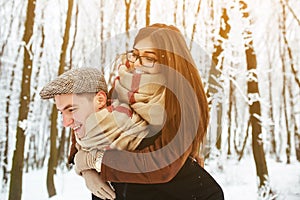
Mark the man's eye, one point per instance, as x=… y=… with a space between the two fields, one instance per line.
x=72 y=110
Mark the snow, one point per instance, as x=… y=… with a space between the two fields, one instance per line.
x=237 y=178
x=68 y=186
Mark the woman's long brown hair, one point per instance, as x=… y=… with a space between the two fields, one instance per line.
x=182 y=112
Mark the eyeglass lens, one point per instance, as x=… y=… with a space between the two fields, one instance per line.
x=144 y=60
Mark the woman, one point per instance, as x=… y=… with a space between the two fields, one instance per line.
x=168 y=160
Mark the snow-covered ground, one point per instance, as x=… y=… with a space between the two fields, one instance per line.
x=237 y=179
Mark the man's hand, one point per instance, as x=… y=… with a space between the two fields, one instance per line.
x=97 y=186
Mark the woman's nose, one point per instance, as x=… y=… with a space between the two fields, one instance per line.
x=137 y=63
x=67 y=121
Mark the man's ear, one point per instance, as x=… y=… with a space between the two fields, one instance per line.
x=100 y=100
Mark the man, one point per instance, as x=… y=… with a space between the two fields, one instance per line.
x=77 y=94
x=80 y=96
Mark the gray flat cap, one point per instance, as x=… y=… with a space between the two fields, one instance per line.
x=75 y=81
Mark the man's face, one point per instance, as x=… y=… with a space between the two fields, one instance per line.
x=75 y=109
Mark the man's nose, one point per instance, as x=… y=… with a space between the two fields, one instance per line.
x=67 y=121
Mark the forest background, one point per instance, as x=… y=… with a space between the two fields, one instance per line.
x=247 y=52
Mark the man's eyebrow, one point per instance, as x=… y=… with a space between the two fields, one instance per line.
x=68 y=106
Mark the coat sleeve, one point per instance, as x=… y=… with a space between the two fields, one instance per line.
x=156 y=163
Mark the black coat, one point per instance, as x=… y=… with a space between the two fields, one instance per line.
x=191 y=183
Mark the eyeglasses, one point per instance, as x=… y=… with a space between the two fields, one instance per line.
x=144 y=60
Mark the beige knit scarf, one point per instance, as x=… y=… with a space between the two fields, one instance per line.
x=123 y=127
x=145 y=93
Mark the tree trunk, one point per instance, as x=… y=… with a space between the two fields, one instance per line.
x=271 y=128
x=254 y=107
x=63 y=55
x=7 y=111
x=5 y=41
x=175 y=12
x=61 y=155
x=195 y=23
x=102 y=43
x=296 y=129
x=8 y=99
x=297 y=142
x=148 y=6
x=33 y=146
x=52 y=164
x=285 y=110
x=74 y=36
x=255 y=111
x=215 y=86
x=127 y=5
x=286 y=92
x=286 y=6
x=183 y=17
x=15 y=190
x=127 y=15
x=231 y=102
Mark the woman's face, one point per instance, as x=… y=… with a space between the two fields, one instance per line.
x=145 y=51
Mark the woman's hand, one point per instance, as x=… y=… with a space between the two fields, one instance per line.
x=97 y=186
x=82 y=161
x=88 y=160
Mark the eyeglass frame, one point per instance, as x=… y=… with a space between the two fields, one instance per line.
x=138 y=57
